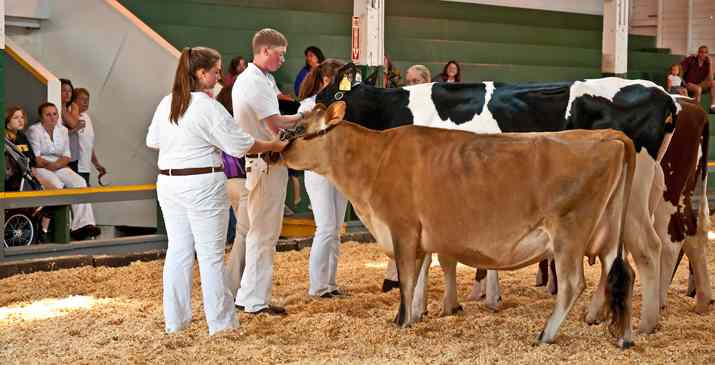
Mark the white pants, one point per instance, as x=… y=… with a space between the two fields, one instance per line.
x=238 y=197
x=329 y=212
x=82 y=214
x=265 y=215
x=196 y=217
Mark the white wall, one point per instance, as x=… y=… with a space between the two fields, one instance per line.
x=127 y=70
x=36 y=9
x=571 y=6
x=703 y=25
x=644 y=17
x=673 y=25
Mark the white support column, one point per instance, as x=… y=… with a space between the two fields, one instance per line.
x=614 y=59
x=370 y=33
x=2 y=24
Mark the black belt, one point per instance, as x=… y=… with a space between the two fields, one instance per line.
x=191 y=171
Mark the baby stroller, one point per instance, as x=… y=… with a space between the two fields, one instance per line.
x=22 y=225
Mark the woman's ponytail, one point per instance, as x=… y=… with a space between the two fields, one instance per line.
x=191 y=60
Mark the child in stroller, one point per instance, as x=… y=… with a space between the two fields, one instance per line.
x=23 y=226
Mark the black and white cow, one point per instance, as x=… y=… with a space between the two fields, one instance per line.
x=641 y=109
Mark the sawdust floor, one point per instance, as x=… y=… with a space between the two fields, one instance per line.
x=114 y=315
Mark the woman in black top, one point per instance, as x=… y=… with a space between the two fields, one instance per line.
x=14 y=124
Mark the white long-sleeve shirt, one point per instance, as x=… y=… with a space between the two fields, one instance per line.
x=205 y=129
x=51 y=149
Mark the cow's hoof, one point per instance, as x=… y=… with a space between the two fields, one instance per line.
x=541 y=339
x=691 y=292
x=388 y=285
x=702 y=308
x=625 y=344
x=593 y=319
x=646 y=329
x=452 y=311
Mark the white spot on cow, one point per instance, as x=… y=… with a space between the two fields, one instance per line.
x=421 y=104
x=607 y=88
x=425 y=113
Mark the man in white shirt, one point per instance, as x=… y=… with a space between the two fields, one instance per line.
x=255 y=107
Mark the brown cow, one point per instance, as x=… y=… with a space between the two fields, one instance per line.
x=567 y=197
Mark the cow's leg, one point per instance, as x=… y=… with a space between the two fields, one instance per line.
x=648 y=259
x=419 y=303
x=569 y=273
x=696 y=250
x=597 y=309
x=405 y=258
x=493 y=291
x=553 y=283
x=450 y=304
x=542 y=275
x=479 y=288
x=691 y=282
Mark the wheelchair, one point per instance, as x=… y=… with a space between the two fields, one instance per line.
x=22 y=225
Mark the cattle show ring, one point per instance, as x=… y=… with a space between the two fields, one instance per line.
x=547 y=203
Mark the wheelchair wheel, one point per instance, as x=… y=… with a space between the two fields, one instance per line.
x=19 y=231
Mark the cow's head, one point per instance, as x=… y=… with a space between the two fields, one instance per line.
x=309 y=148
x=335 y=91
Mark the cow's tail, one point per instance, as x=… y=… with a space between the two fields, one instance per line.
x=619 y=285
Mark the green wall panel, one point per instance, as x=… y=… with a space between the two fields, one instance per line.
x=492 y=43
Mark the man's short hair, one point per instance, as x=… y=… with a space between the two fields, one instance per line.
x=423 y=71
x=701 y=47
x=268 y=38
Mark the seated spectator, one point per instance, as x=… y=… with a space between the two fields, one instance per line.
x=450 y=73
x=237 y=65
x=50 y=142
x=84 y=139
x=417 y=74
x=698 y=75
x=674 y=83
x=14 y=136
x=313 y=57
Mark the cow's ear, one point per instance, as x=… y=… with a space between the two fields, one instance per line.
x=335 y=112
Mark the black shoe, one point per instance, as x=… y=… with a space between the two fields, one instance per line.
x=79 y=234
x=85 y=232
x=93 y=231
x=388 y=285
x=712 y=110
x=327 y=295
x=339 y=293
x=272 y=310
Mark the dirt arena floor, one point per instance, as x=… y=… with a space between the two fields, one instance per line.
x=114 y=315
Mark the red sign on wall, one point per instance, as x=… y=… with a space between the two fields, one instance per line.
x=355 y=54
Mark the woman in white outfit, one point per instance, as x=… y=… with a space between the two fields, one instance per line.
x=50 y=141
x=190 y=129
x=327 y=202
